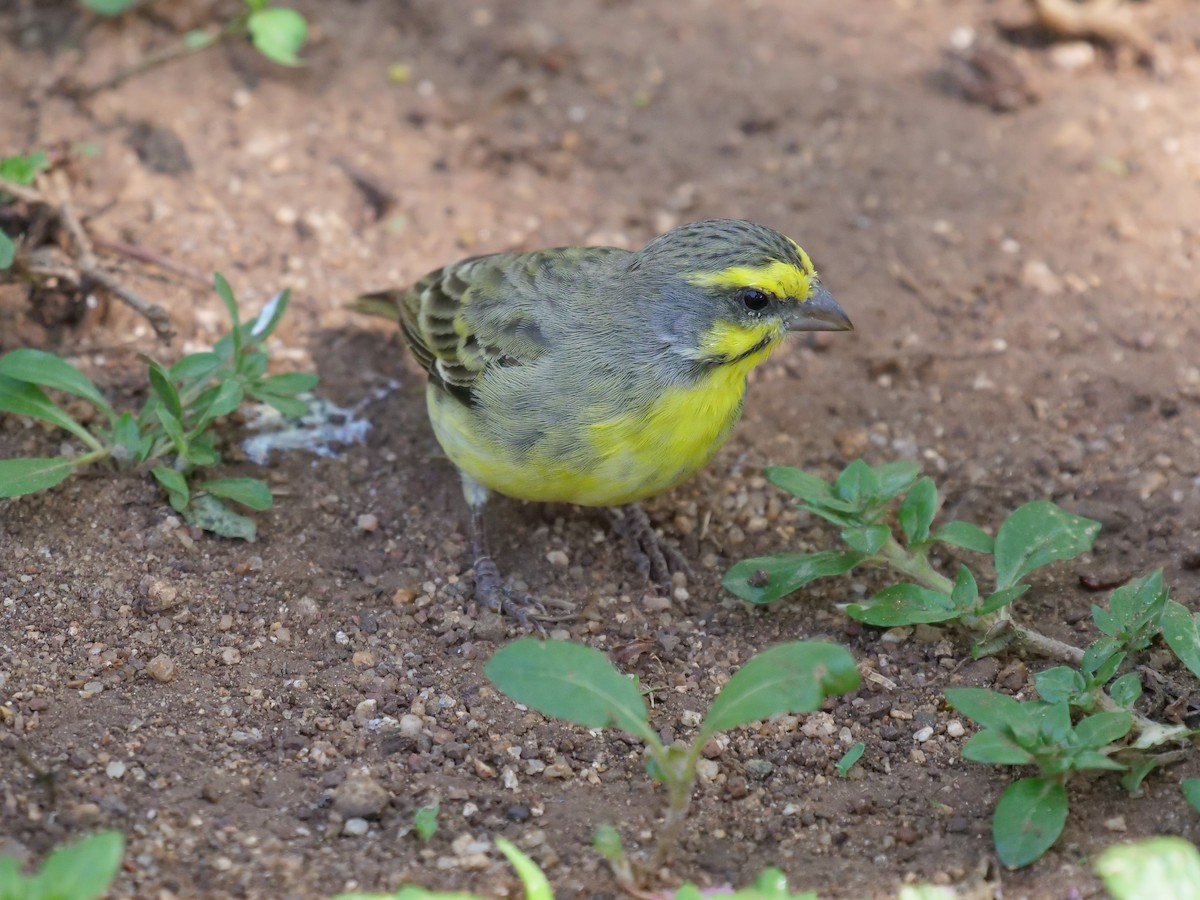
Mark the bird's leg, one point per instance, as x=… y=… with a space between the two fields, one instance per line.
x=490 y=589
x=655 y=557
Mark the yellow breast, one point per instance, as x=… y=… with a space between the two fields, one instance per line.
x=626 y=456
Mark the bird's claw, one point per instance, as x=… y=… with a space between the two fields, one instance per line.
x=492 y=592
x=656 y=558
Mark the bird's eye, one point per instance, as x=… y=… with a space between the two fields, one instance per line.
x=755 y=300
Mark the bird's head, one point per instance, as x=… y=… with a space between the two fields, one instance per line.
x=732 y=289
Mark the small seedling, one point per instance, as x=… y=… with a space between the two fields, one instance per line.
x=18 y=170
x=577 y=683
x=175 y=431
x=849 y=758
x=425 y=822
x=864 y=501
x=277 y=32
x=79 y=871
x=1085 y=719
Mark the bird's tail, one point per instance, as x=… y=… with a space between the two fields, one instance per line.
x=385 y=304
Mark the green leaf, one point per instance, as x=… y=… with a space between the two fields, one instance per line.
x=1059 y=683
x=568 y=681
x=849 y=758
x=28 y=475
x=1055 y=720
x=80 y=871
x=1036 y=534
x=24 y=169
x=1105 y=621
x=253 y=366
x=799 y=483
x=1103 y=729
x=173 y=429
x=1093 y=759
x=1191 y=792
x=225 y=292
x=201 y=453
x=278 y=33
x=1139 y=605
x=990 y=709
x=195 y=367
x=894 y=478
x=1179 y=629
x=24 y=399
x=268 y=318
x=918 y=509
x=1028 y=820
x=425 y=822
x=125 y=433
x=211 y=514
x=198 y=39
x=1132 y=780
x=175 y=484
x=766 y=579
x=788 y=678
x=1126 y=689
x=1165 y=868
x=966 y=536
x=289 y=407
x=8 y=250
x=164 y=390
x=1001 y=599
x=109 y=7
x=533 y=880
x=39 y=367
x=857 y=484
x=995 y=749
x=247 y=491
x=904 y=604
x=222 y=400
x=287 y=384
x=866 y=540
x=1098 y=654
x=966 y=589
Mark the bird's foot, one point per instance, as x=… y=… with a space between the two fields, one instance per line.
x=656 y=557
x=501 y=598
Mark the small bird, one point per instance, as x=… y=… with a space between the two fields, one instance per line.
x=599 y=376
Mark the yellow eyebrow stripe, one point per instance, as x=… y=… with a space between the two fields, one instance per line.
x=779 y=278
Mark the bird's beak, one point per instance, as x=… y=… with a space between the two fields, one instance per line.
x=820 y=312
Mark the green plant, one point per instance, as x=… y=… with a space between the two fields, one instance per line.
x=1085 y=718
x=577 y=683
x=79 y=871
x=1165 y=868
x=864 y=502
x=175 y=429
x=18 y=170
x=425 y=822
x=849 y=758
x=277 y=32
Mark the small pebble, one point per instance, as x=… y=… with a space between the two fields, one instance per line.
x=558 y=558
x=954 y=728
x=161 y=668
x=361 y=797
x=115 y=769
x=367 y=523
x=231 y=656
x=356 y=827
x=923 y=735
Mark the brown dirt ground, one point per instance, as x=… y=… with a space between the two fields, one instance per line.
x=1024 y=288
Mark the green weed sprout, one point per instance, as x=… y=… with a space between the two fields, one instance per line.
x=174 y=433
x=1165 y=868
x=277 y=32
x=21 y=170
x=578 y=684
x=79 y=871
x=1085 y=718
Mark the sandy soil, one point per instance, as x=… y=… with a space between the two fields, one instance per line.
x=1024 y=289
